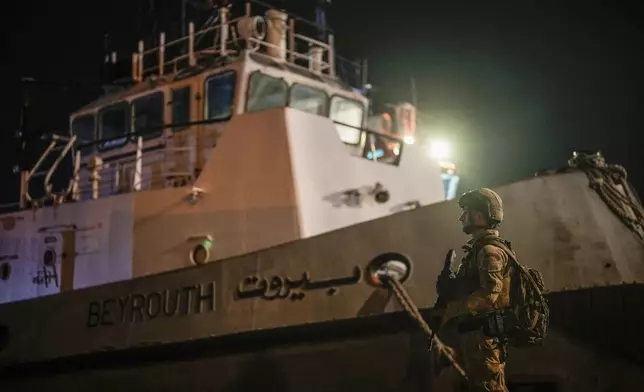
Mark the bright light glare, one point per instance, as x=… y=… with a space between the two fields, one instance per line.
x=439 y=150
x=409 y=139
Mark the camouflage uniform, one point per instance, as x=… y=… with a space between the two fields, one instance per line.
x=483 y=285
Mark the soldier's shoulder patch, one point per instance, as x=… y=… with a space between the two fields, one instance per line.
x=492 y=251
x=492 y=256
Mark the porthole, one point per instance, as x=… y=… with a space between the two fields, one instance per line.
x=200 y=254
x=49 y=257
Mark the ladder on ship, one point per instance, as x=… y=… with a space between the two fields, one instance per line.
x=62 y=146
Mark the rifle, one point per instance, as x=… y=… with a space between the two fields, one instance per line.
x=444 y=289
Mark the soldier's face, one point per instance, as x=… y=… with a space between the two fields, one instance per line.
x=465 y=221
x=471 y=220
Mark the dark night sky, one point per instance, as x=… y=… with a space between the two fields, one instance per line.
x=515 y=86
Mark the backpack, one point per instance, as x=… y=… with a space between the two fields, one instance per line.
x=529 y=313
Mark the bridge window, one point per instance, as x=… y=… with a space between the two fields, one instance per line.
x=114 y=126
x=265 y=92
x=84 y=128
x=148 y=115
x=220 y=94
x=382 y=148
x=308 y=99
x=348 y=115
x=181 y=107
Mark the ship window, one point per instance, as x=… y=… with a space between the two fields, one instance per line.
x=348 y=115
x=265 y=92
x=382 y=148
x=114 y=122
x=84 y=128
x=147 y=114
x=308 y=99
x=220 y=94
x=180 y=107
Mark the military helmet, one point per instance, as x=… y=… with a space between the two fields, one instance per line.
x=484 y=200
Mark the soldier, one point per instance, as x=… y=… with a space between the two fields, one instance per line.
x=482 y=284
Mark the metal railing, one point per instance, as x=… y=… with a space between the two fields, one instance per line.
x=374 y=146
x=224 y=38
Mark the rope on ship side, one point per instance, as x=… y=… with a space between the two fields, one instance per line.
x=606 y=180
x=405 y=300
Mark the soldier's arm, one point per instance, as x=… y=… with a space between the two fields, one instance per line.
x=491 y=261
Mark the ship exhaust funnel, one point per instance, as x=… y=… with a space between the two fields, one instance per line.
x=276 y=34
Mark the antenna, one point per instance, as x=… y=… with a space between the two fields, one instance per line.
x=320 y=18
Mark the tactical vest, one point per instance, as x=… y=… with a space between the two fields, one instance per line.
x=523 y=313
x=468 y=275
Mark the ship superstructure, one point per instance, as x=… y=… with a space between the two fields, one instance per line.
x=237 y=137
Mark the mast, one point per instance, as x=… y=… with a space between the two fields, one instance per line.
x=320 y=18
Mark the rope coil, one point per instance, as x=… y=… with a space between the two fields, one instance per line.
x=606 y=180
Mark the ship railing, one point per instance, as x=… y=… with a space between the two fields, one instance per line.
x=93 y=187
x=140 y=168
x=54 y=146
x=138 y=161
x=172 y=172
x=236 y=29
x=374 y=145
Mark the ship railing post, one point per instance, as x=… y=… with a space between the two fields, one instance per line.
x=141 y=60
x=223 y=30
x=291 y=41
x=138 y=167
x=23 y=188
x=331 y=54
x=191 y=44
x=75 y=185
x=116 y=178
x=95 y=165
x=135 y=67
x=161 y=53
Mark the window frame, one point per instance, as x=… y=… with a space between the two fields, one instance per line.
x=248 y=84
x=327 y=100
x=206 y=118
x=151 y=135
x=362 y=119
x=172 y=100
x=100 y=146
x=365 y=152
x=91 y=145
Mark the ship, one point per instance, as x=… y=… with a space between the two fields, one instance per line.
x=225 y=214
